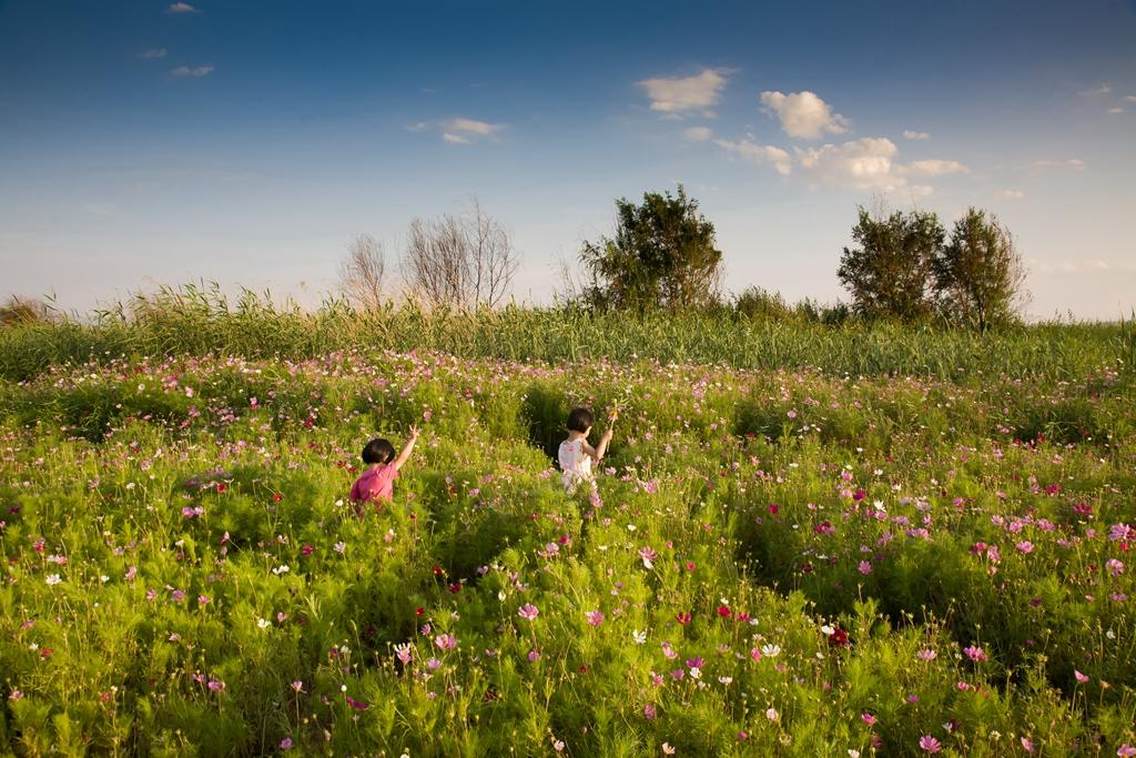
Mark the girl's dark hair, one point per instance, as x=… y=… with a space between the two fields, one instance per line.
x=580 y=420
x=378 y=451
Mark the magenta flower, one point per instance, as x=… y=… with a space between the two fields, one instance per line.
x=534 y=656
x=446 y=641
x=865 y=567
x=1025 y=546
x=1027 y=744
x=1126 y=751
x=926 y=654
x=215 y=685
x=1081 y=678
x=404 y=653
x=1119 y=532
x=649 y=711
x=868 y=718
x=975 y=653
x=595 y=618
x=929 y=744
x=286 y=743
x=528 y=612
x=648 y=556
x=1114 y=566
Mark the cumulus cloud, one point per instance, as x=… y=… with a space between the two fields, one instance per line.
x=1011 y=194
x=180 y=7
x=699 y=92
x=803 y=114
x=867 y=163
x=751 y=151
x=459 y=130
x=157 y=52
x=1101 y=89
x=1076 y=164
x=698 y=133
x=909 y=134
x=933 y=167
x=195 y=72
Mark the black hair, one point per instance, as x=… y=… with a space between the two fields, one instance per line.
x=378 y=451
x=580 y=420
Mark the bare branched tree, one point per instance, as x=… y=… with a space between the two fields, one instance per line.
x=462 y=262
x=361 y=273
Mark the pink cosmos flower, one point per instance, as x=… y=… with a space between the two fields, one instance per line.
x=868 y=718
x=595 y=618
x=649 y=711
x=929 y=744
x=648 y=556
x=1126 y=751
x=669 y=651
x=404 y=653
x=215 y=685
x=1114 y=566
x=1027 y=744
x=534 y=656
x=975 y=653
x=926 y=654
x=446 y=641
x=1119 y=532
x=286 y=743
x=528 y=612
x=1025 y=546
x=1081 y=678
x=865 y=567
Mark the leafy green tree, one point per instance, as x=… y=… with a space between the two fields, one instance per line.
x=979 y=275
x=889 y=273
x=663 y=254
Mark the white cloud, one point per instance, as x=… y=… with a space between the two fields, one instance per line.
x=191 y=71
x=866 y=163
x=934 y=167
x=1076 y=164
x=472 y=126
x=158 y=52
x=781 y=161
x=676 y=95
x=1130 y=98
x=1101 y=89
x=1116 y=109
x=909 y=134
x=698 y=133
x=459 y=130
x=803 y=114
x=181 y=7
x=1011 y=194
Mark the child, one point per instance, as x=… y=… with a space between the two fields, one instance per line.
x=377 y=482
x=576 y=455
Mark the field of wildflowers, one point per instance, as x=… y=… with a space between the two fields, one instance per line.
x=776 y=562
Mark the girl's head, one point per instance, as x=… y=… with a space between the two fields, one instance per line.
x=378 y=451
x=580 y=420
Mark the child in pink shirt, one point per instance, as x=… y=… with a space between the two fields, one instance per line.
x=376 y=484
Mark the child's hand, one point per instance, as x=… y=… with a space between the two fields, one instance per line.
x=613 y=414
x=414 y=431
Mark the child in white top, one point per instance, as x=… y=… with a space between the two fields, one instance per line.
x=576 y=455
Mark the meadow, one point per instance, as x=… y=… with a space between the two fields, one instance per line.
x=875 y=542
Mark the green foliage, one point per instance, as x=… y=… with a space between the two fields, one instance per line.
x=978 y=276
x=663 y=255
x=889 y=273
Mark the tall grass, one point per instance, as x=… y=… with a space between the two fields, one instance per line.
x=197 y=321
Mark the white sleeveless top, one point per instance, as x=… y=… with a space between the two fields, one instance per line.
x=575 y=464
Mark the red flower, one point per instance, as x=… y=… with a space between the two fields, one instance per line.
x=838 y=638
x=356 y=704
x=683 y=618
x=419 y=611
x=691 y=565
x=221 y=487
x=724 y=611
x=455 y=587
x=438 y=570
x=277 y=497
x=773 y=509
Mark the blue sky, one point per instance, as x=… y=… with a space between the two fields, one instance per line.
x=150 y=142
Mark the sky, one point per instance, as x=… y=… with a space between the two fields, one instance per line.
x=146 y=143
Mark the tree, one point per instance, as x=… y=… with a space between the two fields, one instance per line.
x=361 y=273
x=463 y=262
x=663 y=255
x=889 y=274
x=979 y=275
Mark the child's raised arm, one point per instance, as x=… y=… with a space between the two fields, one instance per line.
x=601 y=449
x=407 y=449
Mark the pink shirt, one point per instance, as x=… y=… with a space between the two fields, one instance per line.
x=376 y=483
